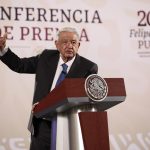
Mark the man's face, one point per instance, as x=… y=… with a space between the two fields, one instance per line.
x=68 y=45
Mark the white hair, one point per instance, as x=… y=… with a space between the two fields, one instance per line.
x=67 y=29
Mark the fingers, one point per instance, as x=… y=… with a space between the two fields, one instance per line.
x=33 y=107
x=3 y=41
x=5 y=36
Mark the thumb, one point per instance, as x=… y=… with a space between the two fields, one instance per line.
x=5 y=36
x=34 y=105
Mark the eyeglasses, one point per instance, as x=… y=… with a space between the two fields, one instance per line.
x=66 y=42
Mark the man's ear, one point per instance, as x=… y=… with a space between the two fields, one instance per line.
x=78 y=44
x=56 y=44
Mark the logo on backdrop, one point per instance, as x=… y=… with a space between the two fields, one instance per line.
x=96 y=88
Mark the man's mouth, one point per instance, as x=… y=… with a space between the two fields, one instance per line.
x=69 y=51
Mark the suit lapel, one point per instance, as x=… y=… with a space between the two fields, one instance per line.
x=52 y=62
x=73 y=72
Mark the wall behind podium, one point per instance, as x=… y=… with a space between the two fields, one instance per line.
x=115 y=34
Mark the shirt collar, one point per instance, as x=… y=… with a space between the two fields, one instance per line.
x=69 y=63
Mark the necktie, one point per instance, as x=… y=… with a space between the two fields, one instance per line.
x=63 y=74
x=54 y=119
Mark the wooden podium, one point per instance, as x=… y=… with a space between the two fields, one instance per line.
x=88 y=126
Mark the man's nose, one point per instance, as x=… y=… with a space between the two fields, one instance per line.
x=69 y=44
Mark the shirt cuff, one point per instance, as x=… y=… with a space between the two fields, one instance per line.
x=2 y=53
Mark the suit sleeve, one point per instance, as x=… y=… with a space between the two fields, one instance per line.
x=93 y=70
x=20 y=65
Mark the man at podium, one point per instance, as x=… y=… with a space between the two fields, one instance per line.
x=50 y=67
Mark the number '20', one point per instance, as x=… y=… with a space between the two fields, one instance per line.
x=144 y=18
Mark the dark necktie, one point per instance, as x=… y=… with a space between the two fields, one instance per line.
x=63 y=74
x=54 y=120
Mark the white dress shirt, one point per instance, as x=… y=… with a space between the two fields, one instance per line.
x=59 y=69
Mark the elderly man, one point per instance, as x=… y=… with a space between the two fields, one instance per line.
x=48 y=66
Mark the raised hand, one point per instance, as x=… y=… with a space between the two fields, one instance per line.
x=3 y=41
